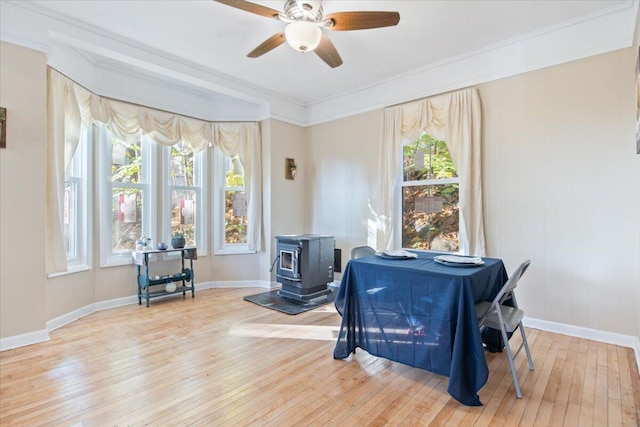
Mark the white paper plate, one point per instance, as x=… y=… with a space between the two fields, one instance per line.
x=396 y=254
x=457 y=259
x=458 y=264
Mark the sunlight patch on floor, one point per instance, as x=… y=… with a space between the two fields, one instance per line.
x=327 y=308
x=299 y=332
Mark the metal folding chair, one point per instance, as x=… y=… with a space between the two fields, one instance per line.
x=506 y=318
x=362 y=251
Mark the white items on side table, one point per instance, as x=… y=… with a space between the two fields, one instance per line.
x=166 y=284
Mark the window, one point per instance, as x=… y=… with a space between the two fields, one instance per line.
x=126 y=196
x=185 y=195
x=230 y=232
x=430 y=197
x=76 y=206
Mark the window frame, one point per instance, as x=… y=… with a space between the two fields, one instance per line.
x=80 y=174
x=398 y=201
x=201 y=228
x=108 y=258
x=219 y=188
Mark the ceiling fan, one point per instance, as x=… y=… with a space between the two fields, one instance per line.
x=305 y=21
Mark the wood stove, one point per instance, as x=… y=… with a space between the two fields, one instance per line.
x=304 y=266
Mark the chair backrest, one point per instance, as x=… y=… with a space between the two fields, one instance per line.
x=507 y=289
x=362 y=251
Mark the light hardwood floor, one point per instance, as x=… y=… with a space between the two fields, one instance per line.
x=219 y=360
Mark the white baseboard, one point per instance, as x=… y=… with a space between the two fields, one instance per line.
x=580 y=332
x=628 y=341
x=67 y=318
x=88 y=309
x=118 y=302
x=24 y=339
x=238 y=284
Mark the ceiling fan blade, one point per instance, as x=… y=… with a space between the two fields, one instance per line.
x=346 y=21
x=251 y=7
x=269 y=44
x=328 y=53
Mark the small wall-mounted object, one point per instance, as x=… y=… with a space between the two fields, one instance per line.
x=3 y=127
x=290 y=168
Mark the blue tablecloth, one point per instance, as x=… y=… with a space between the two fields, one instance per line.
x=419 y=313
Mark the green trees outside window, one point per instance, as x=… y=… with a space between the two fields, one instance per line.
x=430 y=197
x=235 y=203
x=184 y=192
x=127 y=188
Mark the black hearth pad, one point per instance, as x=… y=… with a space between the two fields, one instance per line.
x=273 y=301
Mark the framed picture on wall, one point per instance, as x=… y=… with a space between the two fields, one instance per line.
x=3 y=128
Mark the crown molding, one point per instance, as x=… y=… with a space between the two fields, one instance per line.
x=94 y=57
x=99 y=59
x=590 y=35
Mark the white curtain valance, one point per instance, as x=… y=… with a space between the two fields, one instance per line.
x=71 y=107
x=129 y=121
x=454 y=118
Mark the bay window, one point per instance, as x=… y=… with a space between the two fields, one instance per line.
x=130 y=173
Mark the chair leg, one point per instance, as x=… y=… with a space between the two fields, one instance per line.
x=510 y=359
x=526 y=346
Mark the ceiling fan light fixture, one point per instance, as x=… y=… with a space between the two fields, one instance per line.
x=303 y=36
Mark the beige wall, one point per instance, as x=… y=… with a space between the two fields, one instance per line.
x=342 y=178
x=22 y=195
x=561 y=182
x=288 y=203
x=562 y=187
x=285 y=209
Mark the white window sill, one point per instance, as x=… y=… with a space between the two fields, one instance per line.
x=118 y=261
x=71 y=269
x=234 y=251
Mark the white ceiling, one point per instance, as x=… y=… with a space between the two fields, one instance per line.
x=213 y=39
